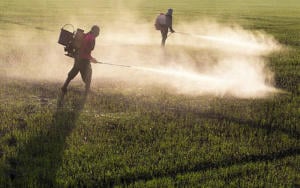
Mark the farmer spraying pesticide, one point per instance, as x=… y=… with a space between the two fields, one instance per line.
x=82 y=61
x=164 y=23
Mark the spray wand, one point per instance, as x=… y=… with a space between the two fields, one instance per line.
x=119 y=65
x=189 y=34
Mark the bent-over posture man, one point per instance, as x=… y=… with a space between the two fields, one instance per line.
x=82 y=60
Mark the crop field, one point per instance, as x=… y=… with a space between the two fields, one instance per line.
x=233 y=124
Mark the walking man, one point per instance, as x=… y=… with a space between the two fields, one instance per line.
x=83 y=59
x=164 y=23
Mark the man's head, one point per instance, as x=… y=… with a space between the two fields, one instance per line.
x=170 y=12
x=95 y=30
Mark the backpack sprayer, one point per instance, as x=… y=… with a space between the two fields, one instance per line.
x=71 y=40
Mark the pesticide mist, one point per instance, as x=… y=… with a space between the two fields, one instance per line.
x=214 y=59
x=201 y=58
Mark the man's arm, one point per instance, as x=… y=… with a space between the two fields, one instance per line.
x=90 y=47
x=170 y=20
x=93 y=60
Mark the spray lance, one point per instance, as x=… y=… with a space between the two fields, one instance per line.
x=189 y=34
x=119 y=65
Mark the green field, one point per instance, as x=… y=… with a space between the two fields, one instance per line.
x=127 y=135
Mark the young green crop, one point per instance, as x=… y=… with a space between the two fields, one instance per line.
x=150 y=138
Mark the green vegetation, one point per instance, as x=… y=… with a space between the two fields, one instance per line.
x=150 y=137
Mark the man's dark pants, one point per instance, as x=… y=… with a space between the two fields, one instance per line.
x=84 y=67
x=164 y=35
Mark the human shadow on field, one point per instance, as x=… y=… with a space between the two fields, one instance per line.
x=37 y=162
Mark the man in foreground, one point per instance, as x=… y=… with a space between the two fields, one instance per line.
x=83 y=60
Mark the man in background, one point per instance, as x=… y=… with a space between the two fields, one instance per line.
x=164 y=23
